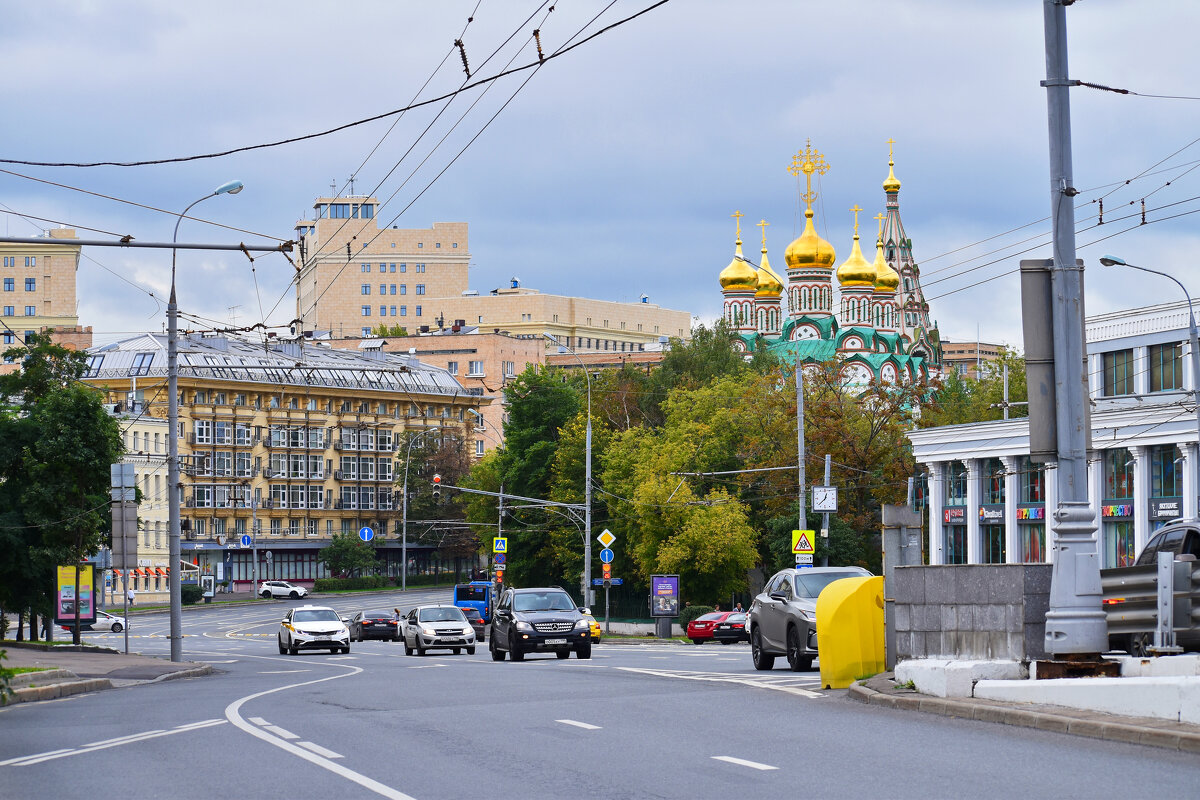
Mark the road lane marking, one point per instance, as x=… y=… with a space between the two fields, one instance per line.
x=281 y=671
x=321 y=751
x=278 y=731
x=583 y=725
x=26 y=761
x=781 y=684
x=744 y=763
x=259 y=721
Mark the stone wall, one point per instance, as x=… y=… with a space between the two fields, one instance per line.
x=970 y=611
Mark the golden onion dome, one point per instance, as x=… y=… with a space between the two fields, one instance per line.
x=810 y=250
x=856 y=270
x=769 y=283
x=739 y=275
x=886 y=278
x=891 y=184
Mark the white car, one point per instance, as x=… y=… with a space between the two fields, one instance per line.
x=104 y=622
x=281 y=589
x=437 y=627
x=313 y=628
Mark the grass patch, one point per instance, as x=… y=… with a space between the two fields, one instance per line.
x=20 y=670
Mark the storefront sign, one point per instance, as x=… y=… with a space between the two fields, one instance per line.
x=1121 y=510
x=991 y=513
x=955 y=515
x=1166 y=508
x=1031 y=512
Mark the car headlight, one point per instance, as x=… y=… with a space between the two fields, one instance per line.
x=468 y=631
x=429 y=631
x=807 y=615
x=583 y=624
x=524 y=626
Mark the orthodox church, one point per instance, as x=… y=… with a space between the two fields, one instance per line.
x=876 y=323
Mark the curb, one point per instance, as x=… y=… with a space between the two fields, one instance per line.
x=1109 y=729
x=55 y=690
x=58 y=648
x=638 y=642
x=195 y=672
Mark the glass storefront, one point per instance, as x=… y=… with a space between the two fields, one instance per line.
x=993 y=544
x=954 y=546
x=1118 y=543
x=1033 y=542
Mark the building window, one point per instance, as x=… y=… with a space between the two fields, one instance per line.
x=31 y=311
x=364 y=268
x=392 y=267
x=403 y=288
x=420 y=245
x=452 y=367
x=393 y=289
x=366 y=331
x=1118 y=373
x=383 y=311
x=366 y=312
x=10 y=311
x=993 y=544
x=393 y=311
x=10 y=284
x=417 y=311
x=383 y=267
x=438 y=246
x=383 y=288
x=993 y=482
x=475 y=370
x=1166 y=367
x=420 y=288
x=1165 y=480
x=404 y=267
x=1033 y=482
x=404 y=311
x=1118 y=474
x=366 y=288
x=141 y=364
x=478 y=447
x=31 y=261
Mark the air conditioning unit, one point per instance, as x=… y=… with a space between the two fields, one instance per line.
x=111 y=408
x=337 y=475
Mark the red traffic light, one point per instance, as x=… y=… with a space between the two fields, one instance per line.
x=437 y=479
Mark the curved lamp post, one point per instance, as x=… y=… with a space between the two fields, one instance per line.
x=404 y=507
x=176 y=632
x=587 y=478
x=1113 y=261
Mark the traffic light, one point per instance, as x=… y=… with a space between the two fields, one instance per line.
x=499 y=576
x=606 y=571
x=437 y=486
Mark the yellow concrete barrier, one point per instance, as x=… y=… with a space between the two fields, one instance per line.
x=850 y=631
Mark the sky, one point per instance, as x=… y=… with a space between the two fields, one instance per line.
x=613 y=171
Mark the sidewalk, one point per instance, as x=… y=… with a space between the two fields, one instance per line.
x=87 y=669
x=882 y=690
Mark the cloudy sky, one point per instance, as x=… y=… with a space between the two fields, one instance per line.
x=614 y=170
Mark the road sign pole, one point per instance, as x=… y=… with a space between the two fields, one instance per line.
x=607 y=630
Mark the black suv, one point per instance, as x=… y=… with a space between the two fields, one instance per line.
x=538 y=620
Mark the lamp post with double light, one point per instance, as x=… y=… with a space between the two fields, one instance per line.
x=1194 y=344
x=173 y=488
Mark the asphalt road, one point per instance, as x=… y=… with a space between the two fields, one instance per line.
x=648 y=721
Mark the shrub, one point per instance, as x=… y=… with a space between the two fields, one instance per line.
x=689 y=613
x=190 y=594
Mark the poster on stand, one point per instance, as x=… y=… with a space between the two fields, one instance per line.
x=664 y=595
x=65 y=599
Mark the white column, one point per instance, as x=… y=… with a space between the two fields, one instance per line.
x=974 y=541
x=1050 y=483
x=1141 y=371
x=1095 y=364
x=937 y=504
x=1188 y=451
x=1012 y=495
x=1141 y=496
x=1096 y=498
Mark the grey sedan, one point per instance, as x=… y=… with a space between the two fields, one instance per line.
x=783 y=619
x=437 y=628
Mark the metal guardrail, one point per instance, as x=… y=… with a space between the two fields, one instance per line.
x=1162 y=600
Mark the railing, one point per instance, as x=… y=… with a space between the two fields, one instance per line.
x=1132 y=602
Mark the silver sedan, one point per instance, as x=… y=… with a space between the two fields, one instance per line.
x=437 y=628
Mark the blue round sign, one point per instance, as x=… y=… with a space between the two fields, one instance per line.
x=245 y=540
x=606 y=555
x=366 y=534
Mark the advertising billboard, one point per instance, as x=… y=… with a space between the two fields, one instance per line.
x=65 y=599
x=664 y=595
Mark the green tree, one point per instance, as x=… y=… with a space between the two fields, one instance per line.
x=962 y=399
x=348 y=555
x=713 y=551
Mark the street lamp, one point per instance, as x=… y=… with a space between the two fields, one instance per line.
x=1113 y=261
x=176 y=634
x=404 y=507
x=587 y=479
x=253 y=501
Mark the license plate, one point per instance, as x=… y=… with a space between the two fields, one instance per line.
x=556 y=641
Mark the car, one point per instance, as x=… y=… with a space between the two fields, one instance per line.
x=437 y=627
x=477 y=624
x=700 y=630
x=731 y=629
x=104 y=621
x=542 y=620
x=782 y=618
x=593 y=627
x=313 y=628
x=281 y=589
x=377 y=624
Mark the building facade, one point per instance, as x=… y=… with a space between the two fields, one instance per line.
x=145 y=440
x=37 y=290
x=870 y=315
x=988 y=503
x=968 y=358
x=295 y=437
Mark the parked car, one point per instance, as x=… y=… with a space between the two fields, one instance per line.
x=700 y=630
x=783 y=618
x=281 y=589
x=542 y=620
x=731 y=629
x=593 y=627
x=437 y=628
x=377 y=624
x=477 y=624
x=104 y=622
x=313 y=628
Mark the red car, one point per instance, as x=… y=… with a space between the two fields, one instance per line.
x=700 y=630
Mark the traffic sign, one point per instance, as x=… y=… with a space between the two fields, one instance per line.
x=804 y=542
x=606 y=555
x=499 y=544
x=366 y=534
x=245 y=540
x=613 y=581
x=498 y=559
x=606 y=538
x=804 y=559
x=269 y=555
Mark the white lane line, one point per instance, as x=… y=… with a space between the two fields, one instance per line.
x=259 y=721
x=278 y=731
x=717 y=677
x=321 y=751
x=583 y=725
x=744 y=763
x=232 y=713
x=40 y=757
x=227 y=661
x=36 y=755
x=281 y=671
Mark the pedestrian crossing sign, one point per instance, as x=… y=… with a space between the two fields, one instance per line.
x=804 y=542
x=499 y=544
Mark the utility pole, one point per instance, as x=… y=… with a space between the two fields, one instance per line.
x=800 y=439
x=1075 y=622
x=825 y=521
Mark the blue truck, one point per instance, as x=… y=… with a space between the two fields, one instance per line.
x=478 y=595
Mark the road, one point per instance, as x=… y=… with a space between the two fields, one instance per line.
x=657 y=720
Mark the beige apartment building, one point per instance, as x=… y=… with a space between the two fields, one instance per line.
x=37 y=290
x=145 y=439
x=356 y=276
x=966 y=358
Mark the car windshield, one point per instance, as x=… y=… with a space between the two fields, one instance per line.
x=543 y=601
x=708 y=617
x=441 y=614
x=318 y=615
x=377 y=614
x=811 y=585
x=476 y=594
x=737 y=618
x=472 y=613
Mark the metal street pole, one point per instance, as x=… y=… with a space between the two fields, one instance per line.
x=825 y=522
x=803 y=517
x=1075 y=622
x=175 y=577
x=589 y=596
x=404 y=507
x=1194 y=344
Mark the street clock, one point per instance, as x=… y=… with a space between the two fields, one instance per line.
x=824 y=499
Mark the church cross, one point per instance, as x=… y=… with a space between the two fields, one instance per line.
x=808 y=161
x=856 y=209
x=763 y=224
x=879 y=219
x=737 y=215
x=890 y=142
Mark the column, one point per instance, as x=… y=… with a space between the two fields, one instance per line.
x=937 y=502
x=1050 y=482
x=974 y=541
x=1141 y=371
x=1188 y=451
x=1096 y=498
x=1141 y=496
x=1012 y=495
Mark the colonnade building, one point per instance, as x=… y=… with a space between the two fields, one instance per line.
x=987 y=503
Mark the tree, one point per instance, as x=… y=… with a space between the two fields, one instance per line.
x=961 y=399
x=714 y=549
x=346 y=554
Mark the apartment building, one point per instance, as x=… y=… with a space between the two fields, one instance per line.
x=296 y=437
x=968 y=358
x=37 y=290
x=145 y=439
